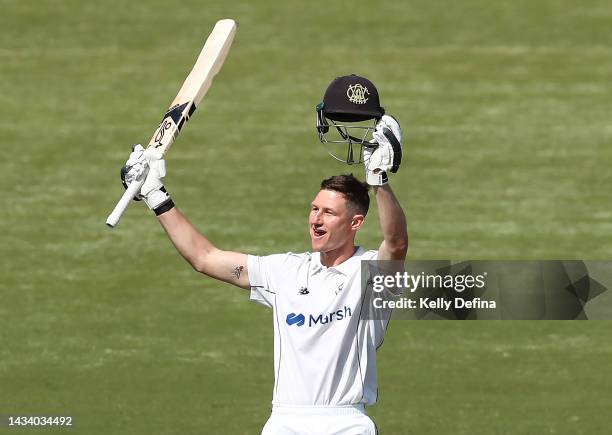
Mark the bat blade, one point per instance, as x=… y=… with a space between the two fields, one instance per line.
x=190 y=95
x=196 y=84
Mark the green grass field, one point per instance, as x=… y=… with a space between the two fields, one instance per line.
x=506 y=110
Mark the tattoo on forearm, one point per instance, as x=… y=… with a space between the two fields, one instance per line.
x=237 y=271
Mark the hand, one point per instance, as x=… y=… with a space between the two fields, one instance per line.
x=387 y=156
x=150 y=164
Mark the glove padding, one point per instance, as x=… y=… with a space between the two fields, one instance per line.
x=150 y=164
x=388 y=155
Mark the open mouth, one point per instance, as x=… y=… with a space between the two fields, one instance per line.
x=318 y=232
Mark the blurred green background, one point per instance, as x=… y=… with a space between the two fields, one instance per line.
x=506 y=114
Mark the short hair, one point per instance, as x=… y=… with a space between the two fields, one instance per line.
x=354 y=191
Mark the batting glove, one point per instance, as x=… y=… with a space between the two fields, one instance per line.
x=387 y=156
x=150 y=164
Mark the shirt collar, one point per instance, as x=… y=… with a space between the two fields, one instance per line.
x=344 y=268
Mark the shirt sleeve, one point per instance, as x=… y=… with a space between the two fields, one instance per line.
x=260 y=279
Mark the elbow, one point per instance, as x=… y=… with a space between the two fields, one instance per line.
x=201 y=263
x=204 y=261
x=199 y=267
x=398 y=247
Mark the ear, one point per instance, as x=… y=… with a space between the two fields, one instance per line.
x=357 y=221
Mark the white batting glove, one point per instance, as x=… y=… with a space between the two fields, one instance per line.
x=150 y=164
x=387 y=156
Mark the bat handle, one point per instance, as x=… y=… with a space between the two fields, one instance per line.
x=113 y=219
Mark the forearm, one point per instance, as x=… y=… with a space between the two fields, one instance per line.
x=187 y=240
x=203 y=256
x=200 y=252
x=392 y=222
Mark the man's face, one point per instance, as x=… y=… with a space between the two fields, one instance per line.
x=332 y=222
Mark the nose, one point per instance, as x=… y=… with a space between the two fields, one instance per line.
x=315 y=218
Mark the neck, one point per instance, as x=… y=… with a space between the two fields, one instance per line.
x=337 y=256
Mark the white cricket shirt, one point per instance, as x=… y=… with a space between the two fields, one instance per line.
x=324 y=354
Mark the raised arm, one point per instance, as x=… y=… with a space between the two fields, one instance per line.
x=203 y=256
x=387 y=157
x=393 y=224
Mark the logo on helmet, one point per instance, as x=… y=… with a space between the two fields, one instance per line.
x=357 y=93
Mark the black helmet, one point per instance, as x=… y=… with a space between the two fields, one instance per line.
x=349 y=99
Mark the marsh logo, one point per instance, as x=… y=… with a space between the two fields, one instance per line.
x=320 y=319
x=295 y=319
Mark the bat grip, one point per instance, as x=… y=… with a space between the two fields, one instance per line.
x=113 y=219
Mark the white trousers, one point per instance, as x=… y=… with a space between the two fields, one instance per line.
x=319 y=420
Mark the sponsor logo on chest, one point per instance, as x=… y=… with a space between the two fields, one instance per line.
x=313 y=320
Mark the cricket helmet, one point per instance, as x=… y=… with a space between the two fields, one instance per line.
x=348 y=100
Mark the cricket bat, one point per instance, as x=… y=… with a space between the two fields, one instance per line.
x=190 y=95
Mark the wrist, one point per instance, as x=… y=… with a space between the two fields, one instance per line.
x=379 y=178
x=157 y=198
x=163 y=208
